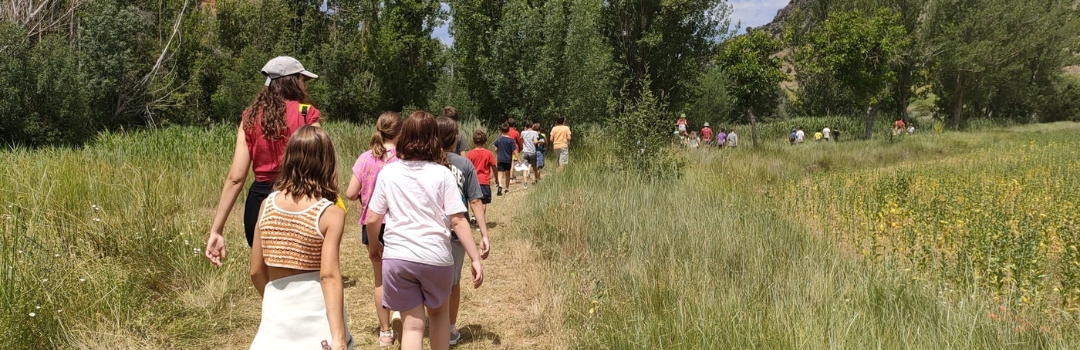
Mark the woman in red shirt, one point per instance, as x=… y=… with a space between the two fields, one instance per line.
x=281 y=107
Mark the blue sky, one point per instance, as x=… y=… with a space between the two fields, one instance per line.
x=752 y=13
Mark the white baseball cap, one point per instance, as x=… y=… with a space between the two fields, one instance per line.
x=282 y=66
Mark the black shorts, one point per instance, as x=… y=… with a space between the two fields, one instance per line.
x=257 y=193
x=363 y=232
x=502 y=166
x=485 y=190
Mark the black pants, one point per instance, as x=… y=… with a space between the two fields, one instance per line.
x=253 y=207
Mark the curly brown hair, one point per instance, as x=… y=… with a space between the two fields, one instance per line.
x=268 y=108
x=309 y=167
x=419 y=139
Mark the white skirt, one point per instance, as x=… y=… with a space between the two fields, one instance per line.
x=294 y=315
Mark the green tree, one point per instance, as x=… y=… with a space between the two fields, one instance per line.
x=588 y=63
x=754 y=74
x=995 y=59
x=474 y=25
x=856 y=51
x=670 y=41
x=712 y=99
x=403 y=52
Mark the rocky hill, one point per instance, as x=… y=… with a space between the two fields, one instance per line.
x=776 y=27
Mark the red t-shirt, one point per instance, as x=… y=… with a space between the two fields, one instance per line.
x=266 y=154
x=514 y=134
x=482 y=159
x=706 y=133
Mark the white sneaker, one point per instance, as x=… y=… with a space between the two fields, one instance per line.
x=455 y=337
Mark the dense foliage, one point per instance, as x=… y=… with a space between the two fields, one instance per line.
x=972 y=59
x=72 y=68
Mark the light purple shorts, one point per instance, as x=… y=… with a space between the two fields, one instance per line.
x=407 y=284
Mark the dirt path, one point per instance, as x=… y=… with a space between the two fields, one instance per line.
x=510 y=311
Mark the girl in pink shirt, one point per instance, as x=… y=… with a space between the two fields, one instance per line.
x=365 y=173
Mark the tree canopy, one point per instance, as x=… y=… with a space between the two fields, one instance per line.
x=71 y=68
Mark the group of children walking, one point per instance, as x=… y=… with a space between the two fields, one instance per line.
x=725 y=138
x=415 y=185
x=798 y=136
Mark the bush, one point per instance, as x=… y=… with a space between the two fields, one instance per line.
x=641 y=142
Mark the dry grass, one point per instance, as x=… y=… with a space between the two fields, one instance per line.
x=510 y=311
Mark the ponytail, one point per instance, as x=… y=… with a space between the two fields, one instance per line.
x=387 y=129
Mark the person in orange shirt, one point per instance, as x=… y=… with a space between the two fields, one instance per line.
x=560 y=140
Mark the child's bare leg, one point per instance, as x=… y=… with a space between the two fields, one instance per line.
x=383 y=313
x=455 y=302
x=412 y=329
x=440 y=327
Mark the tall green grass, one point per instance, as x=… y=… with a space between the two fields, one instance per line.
x=102 y=246
x=717 y=260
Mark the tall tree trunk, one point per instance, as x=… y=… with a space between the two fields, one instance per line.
x=753 y=126
x=870 y=121
x=958 y=105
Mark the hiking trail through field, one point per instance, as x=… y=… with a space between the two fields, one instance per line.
x=509 y=311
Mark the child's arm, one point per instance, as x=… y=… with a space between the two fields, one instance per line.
x=481 y=220
x=464 y=234
x=374 y=225
x=259 y=275
x=353 y=192
x=234 y=183
x=333 y=223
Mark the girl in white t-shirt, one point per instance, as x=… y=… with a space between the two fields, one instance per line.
x=417 y=196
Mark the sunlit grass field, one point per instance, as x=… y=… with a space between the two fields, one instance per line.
x=795 y=247
x=957 y=240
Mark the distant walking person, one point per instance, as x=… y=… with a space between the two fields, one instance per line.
x=560 y=140
x=418 y=196
x=365 y=173
x=462 y=143
x=732 y=139
x=484 y=163
x=529 y=140
x=681 y=124
x=706 y=134
x=541 y=146
x=516 y=136
x=469 y=185
x=693 y=141
x=827 y=133
x=295 y=261
x=506 y=151
x=282 y=107
x=721 y=138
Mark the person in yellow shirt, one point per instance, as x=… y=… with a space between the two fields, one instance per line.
x=560 y=140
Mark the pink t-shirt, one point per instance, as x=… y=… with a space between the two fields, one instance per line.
x=366 y=170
